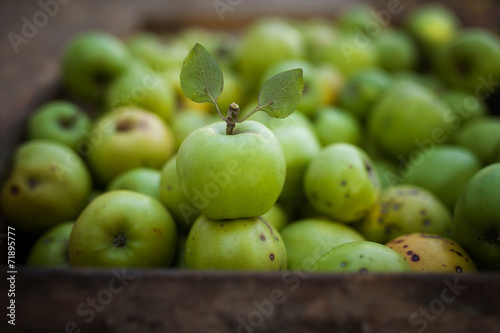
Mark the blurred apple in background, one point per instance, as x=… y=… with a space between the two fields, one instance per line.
x=61 y=121
x=128 y=138
x=91 y=61
x=48 y=184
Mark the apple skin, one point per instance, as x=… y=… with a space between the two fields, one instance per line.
x=470 y=61
x=239 y=244
x=139 y=86
x=341 y=182
x=128 y=138
x=266 y=42
x=300 y=144
x=403 y=209
x=49 y=183
x=51 y=248
x=142 y=180
x=348 y=53
x=482 y=137
x=317 y=32
x=477 y=217
x=363 y=89
x=231 y=176
x=445 y=171
x=334 y=125
x=60 y=121
x=396 y=50
x=405 y=115
x=123 y=229
x=361 y=257
x=306 y=240
x=432 y=26
x=428 y=253
x=187 y=120
x=276 y=216
x=172 y=196
x=91 y=61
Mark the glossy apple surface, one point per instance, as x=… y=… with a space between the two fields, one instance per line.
x=232 y=176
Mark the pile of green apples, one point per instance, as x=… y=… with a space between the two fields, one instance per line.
x=390 y=161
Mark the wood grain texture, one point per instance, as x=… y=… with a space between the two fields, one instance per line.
x=181 y=301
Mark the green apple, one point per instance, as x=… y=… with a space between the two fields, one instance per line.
x=432 y=25
x=240 y=244
x=307 y=240
x=128 y=138
x=187 y=120
x=445 y=171
x=404 y=209
x=341 y=182
x=91 y=61
x=387 y=172
x=139 y=86
x=358 y=18
x=142 y=180
x=172 y=196
x=471 y=62
x=317 y=33
x=408 y=120
x=477 y=217
x=396 y=50
x=60 y=121
x=51 y=248
x=361 y=257
x=334 y=125
x=463 y=108
x=362 y=91
x=349 y=53
x=482 y=137
x=312 y=94
x=428 y=253
x=276 y=216
x=163 y=57
x=300 y=144
x=48 y=184
x=429 y=81
x=266 y=42
x=331 y=83
x=123 y=229
x=231 y=176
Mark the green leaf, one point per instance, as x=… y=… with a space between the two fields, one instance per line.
x=201 y=76
x=281 y=94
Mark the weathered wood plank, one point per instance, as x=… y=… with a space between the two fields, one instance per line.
x=181 y=301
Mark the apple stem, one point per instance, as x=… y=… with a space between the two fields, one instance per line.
x=232 y=118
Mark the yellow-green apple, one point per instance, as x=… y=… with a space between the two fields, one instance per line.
x=51 y=248
x=307 y=240
x=142 y=180
x=128 y=138
x=239 y=244
x=361 y=257
x=476 y=219
x=48 y=184
x=231 y=176
x=341 y=182
x=60 y=121
x=123 y=229
x=91 y=61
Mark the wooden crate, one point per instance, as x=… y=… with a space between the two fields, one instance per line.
x=89 y=300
